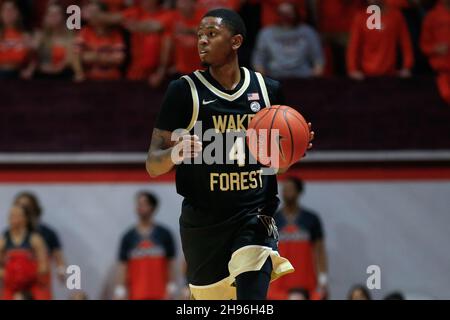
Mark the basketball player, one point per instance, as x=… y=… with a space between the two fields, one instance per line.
x=228 y=235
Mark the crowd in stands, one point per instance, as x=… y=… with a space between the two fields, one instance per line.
x=154 y=40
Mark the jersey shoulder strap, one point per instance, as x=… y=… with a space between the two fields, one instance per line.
x=263 y=88
x=195 y=101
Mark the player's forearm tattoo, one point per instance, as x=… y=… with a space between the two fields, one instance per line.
x=159 y=155
x=156 y=144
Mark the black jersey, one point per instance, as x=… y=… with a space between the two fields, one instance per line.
x=233 y=184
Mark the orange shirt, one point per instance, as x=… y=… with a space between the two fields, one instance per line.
x=89 y=40
x=331 y=13
x=299 y=251
x=436 y=30
x=374 y=52
x=184 y=36
x=146 y=47
x=13 y=49
x=207 y=5
x=147 y=274
x=269 y=10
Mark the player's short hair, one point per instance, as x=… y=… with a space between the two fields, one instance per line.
x=150 y=197
x=298 y=183
x=231 y=19
x=35 y=209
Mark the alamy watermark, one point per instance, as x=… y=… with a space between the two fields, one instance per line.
x=73 y=22
x=374 y=20
x=73 y=280
x=374 y=280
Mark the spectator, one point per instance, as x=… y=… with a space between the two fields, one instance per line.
x=335 y=30
x=374 y=52
x=149 y=26
x=183 y=38
x=146 y=257
x=100 y=48
x=31 y=204
x=54 y=46
x=435 y=43
x=23 y=256
x=298 y=294
x=359 y=292
x=14 y=42
x=289 y=49
x=302 y=243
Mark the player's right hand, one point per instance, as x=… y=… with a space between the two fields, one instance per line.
x=187 y=147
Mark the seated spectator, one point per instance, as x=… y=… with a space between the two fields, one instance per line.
x=23 y=257
x=289 y=49
x=31 y=204
x=359 y=292
x=183 y=38
x=15 y=43
x=207 y=5
x=374 y=52
x=302 y=243
x=100 y=48
x=54 y=46
x=435 y=43
x=298 y=294
x=146 y=257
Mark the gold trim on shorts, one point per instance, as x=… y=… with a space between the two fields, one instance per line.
x=245 y=259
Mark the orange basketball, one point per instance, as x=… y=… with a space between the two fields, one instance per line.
x=278 y=136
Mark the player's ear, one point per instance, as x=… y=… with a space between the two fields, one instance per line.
x=237 y=41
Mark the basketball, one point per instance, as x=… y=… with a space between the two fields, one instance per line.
x=292 y=141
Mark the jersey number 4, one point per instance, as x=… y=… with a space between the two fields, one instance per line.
x=237 y=152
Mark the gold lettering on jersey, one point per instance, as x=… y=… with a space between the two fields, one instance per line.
x=235 y=181
x=220 y=123
x=231 y=122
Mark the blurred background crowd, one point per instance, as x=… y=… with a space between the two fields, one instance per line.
x=147 y=266
x=154 y=40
